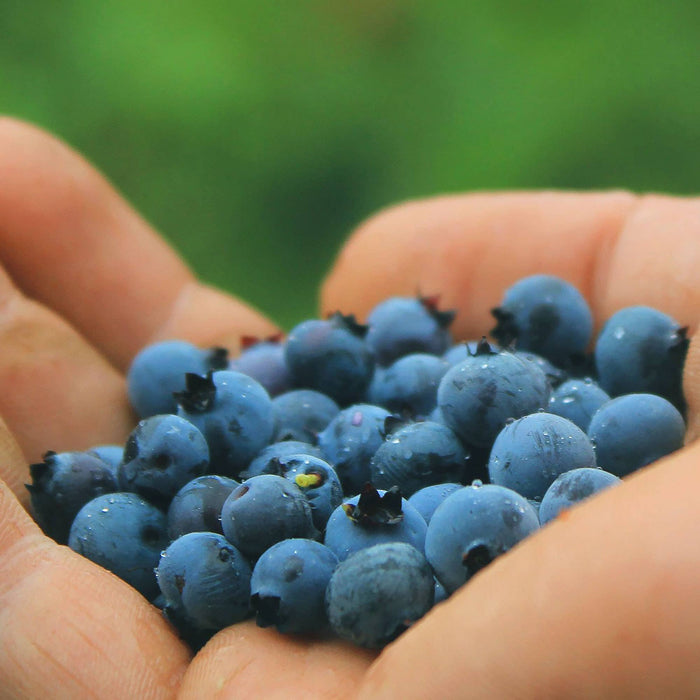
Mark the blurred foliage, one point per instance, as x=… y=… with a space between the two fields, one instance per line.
x=255 y=135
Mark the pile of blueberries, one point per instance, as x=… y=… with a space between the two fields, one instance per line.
x=345 y=479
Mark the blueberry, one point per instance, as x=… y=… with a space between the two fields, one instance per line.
x=264 y=510
x=263 y=360
x=478 y=395
x=634 y=430
x=402 y=325
x=409 y=385
x=62 y=484
x=233 y=412
x=301 y=414
x=350 y=440
x=571 y=488
x=372 y=517
x=110 y=454
x=331 y=356
x=124 y=534
x=642 y=350
x=161 y=455
x=158 y=370
x=268 y=459
x=318 y=482
x=427 y=499
x=205 y=579
x=472 y=527
x=577 y=400
x=196 y=507
x=418 y=455
x=531 y=452
x=545 y=315
x=289 y=584
x=377 y=593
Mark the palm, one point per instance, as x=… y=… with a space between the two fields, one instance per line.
x=86 y=284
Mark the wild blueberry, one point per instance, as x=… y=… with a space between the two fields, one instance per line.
x=124 y=534
x=634 y=430
x=472 y=527
x=531 y=452
x=264 y=510
x=402 y=325
x=233 y=412
x=545 y=315
x=159 y=369
x=377 y=593
x=62 y=484
x=289 y=584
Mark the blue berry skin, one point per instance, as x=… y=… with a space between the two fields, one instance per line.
x=264 y=510
x=347 y=533
x=350 y=440
x=409 y=385
x=235 y=415
x=301 y=414
x=577 y=400
x=161 y=455
x=634 y=430
x=531 y=452
x=376 y=594
x=124 y=534
x=109 y=454
x=571 y=488
x=545 y=315
x=318 y=482
x=62 y=484
x=478 y=395
x=555 y=375
x=418 y=455
x=460 y=351
x=332 y=357
x=158 y=370
x=472 y=527
x=196 y=507
x=288 y=586
x=400 y=326
x=268 y=459
x=263 y=360
x=427 y=499
x=205 y=579
x=642 y=350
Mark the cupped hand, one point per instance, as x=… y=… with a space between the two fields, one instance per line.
x=603 y=602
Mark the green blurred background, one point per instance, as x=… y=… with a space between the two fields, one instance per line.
x=255 y=135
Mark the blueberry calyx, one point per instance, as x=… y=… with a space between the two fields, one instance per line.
x=443 y=318
x=217 y=358
x=506 y=329
x=267 y=610
x=484 y=348
x=372 y=509
x=476 y=558
x=199 y=393
x=349 y=323
x=393 y=423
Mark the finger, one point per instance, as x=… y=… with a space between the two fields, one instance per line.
x=71 y=242
x=617 y=249
x=238 y=663
x=69 y=629
x=58 y=392
x=603 y=602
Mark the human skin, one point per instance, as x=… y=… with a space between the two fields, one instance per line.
x=604 y=602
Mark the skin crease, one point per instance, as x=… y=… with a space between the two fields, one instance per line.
x=601 y=603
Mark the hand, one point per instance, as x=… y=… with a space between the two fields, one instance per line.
x=602 y=602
